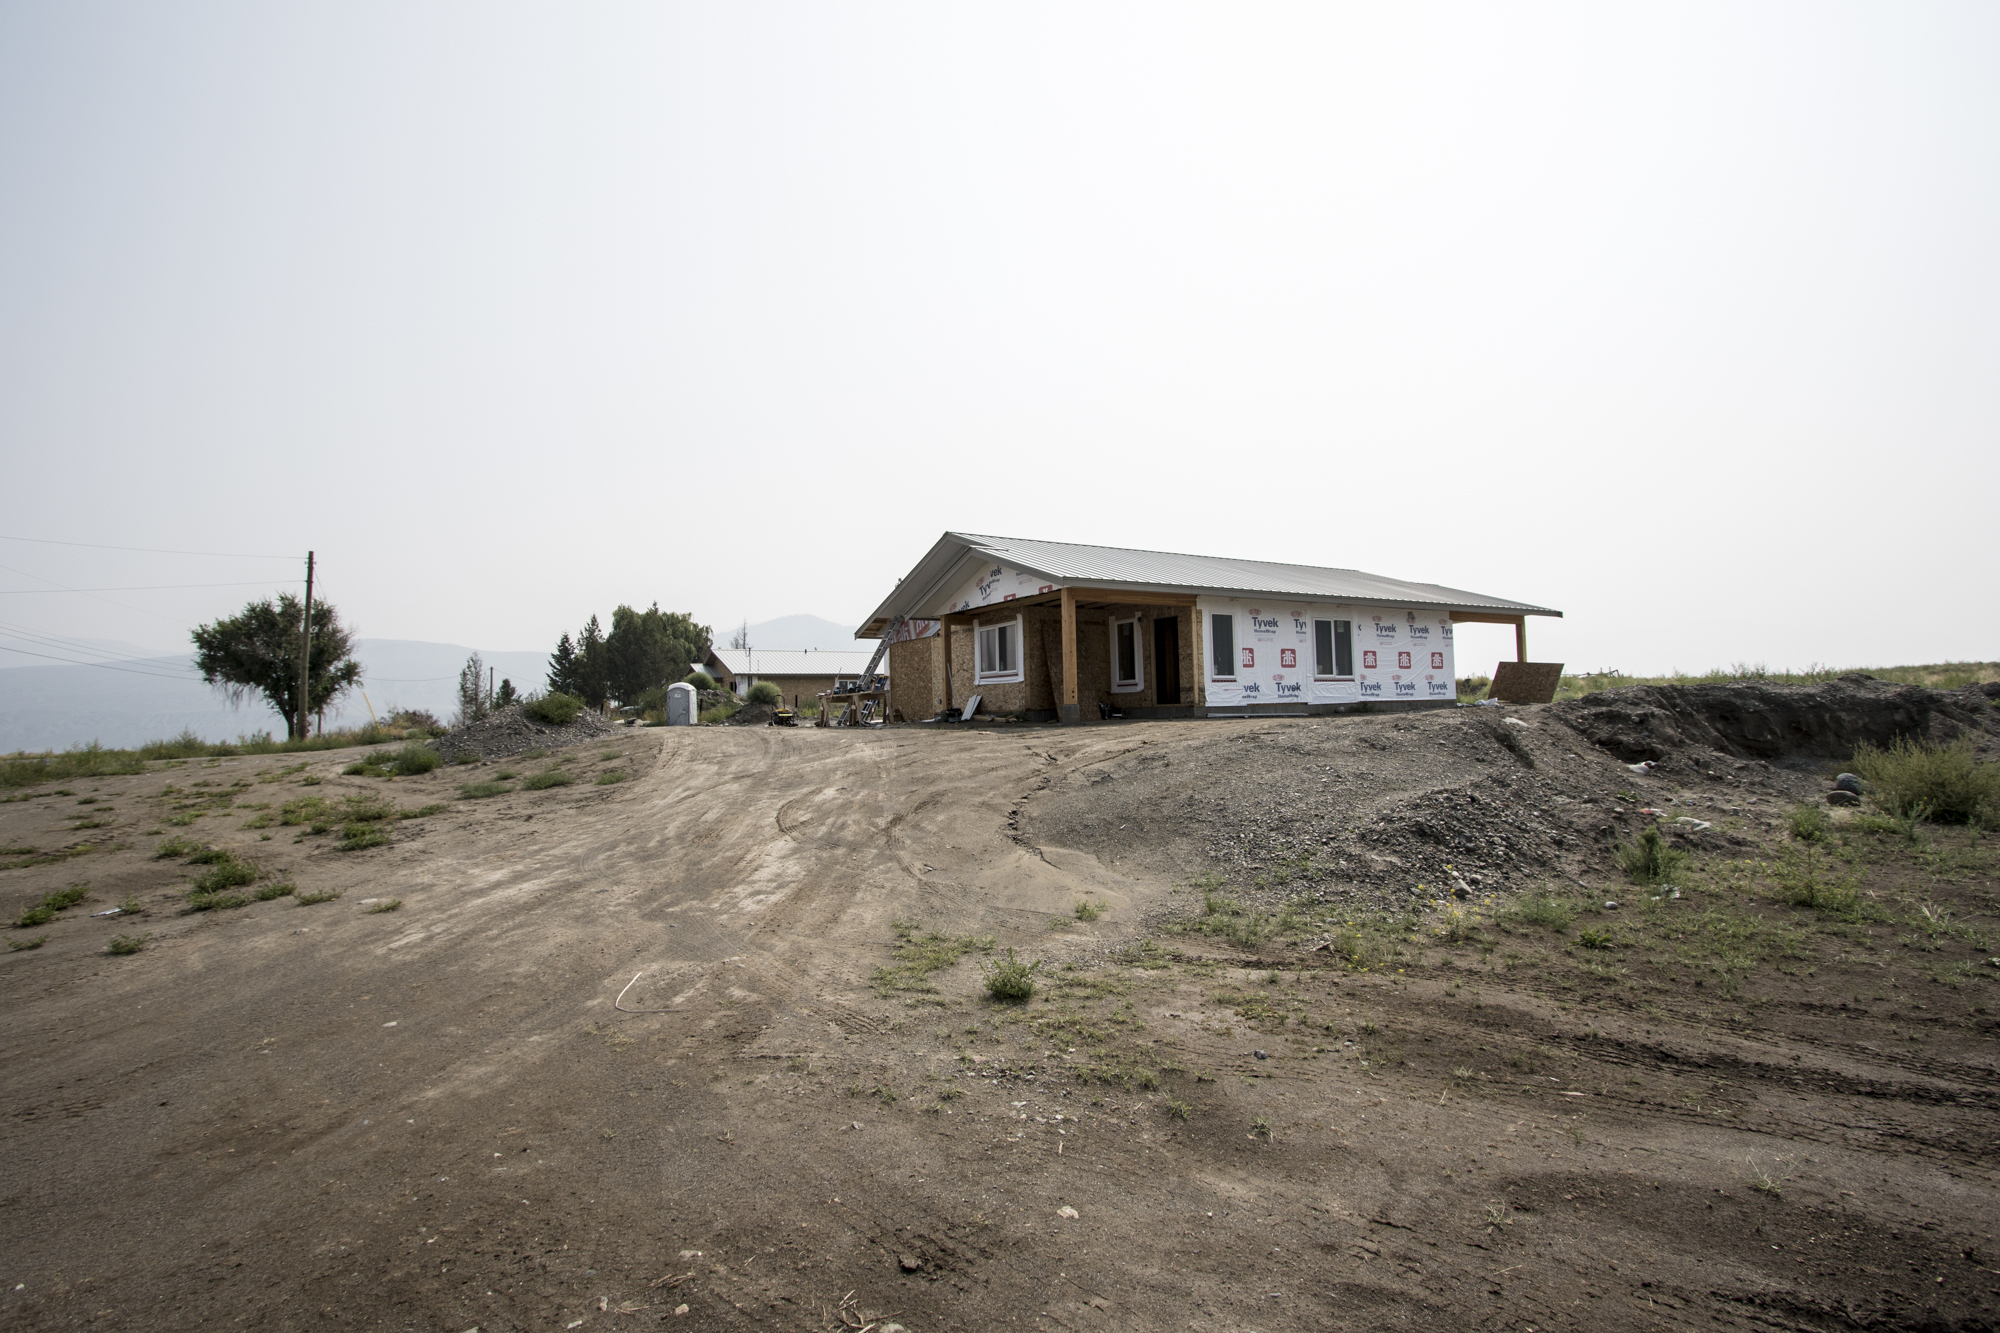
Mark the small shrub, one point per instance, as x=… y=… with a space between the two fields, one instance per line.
x=1808 y=823
x=35 y=943
x=34 y=916
x=765 y=692
x=701 y=680
x=126 y=943
x=415 y=757
x=1088 y=911
x=610 y=778
x=387 y=905
x=209 y=856
x=270 y=891
x=1179 y=1110
x=1260 y=1128
x=356 y=836
x=505 y=775
x=1595 y=939
x=215 y=902
x=558 y=710
x=1948 y=783
x=479 y=791
x=1650 y=860
x=1542 y=909
x=309 y=899
x=548 y=777
x=362 y=768
x=1011 y=980
x=227 y=874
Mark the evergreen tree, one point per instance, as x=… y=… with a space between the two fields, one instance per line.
x=471 y=691
x=593 y=666
x=562 y=667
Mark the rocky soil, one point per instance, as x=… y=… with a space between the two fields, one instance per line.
x=509 y=731
x=698 y=1039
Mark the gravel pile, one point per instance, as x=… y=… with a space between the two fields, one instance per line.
x=752 y=715
x=1381 y=811
x=509 y=731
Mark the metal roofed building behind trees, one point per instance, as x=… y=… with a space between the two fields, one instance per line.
x=1170 y=633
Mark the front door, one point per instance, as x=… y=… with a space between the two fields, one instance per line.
x=1167 y=660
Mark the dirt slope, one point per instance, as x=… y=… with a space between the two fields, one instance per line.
x=1743 y=1114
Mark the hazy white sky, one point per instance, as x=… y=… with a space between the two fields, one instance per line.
x=1684 y=318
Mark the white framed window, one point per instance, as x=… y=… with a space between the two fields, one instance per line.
x=1128 y=656
x=997 y=652
x=1333 y=649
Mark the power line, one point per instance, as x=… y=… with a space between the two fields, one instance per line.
x=145 y=587
x=148 y=550
x=106 y=666
x=57 y=641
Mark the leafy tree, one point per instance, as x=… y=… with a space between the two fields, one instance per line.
x=507 y=695
x=648 y=649
x=471 y=691
x=562 y=668
x=258 y=649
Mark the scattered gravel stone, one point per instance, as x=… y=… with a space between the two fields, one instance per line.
x=509 y=731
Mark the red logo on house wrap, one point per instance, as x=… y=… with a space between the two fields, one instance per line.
x=1437 y=661
x=1403 y=661
x=1288 y=657
x=1249 y=657
x=1368 y=657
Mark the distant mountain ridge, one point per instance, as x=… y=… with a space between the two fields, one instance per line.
x=129 y=702
x=123 y=701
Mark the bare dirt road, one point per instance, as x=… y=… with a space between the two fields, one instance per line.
x=1252 y=1092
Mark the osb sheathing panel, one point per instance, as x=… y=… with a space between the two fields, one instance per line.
x=916 y=677
x=1041 y=657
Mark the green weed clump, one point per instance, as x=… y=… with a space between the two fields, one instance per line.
x=357 y=836
x=1943 y=783
x=1011 y=980
x=548 y=777
x=1541 y=909
x=701 y=680
x=1087 y=910
x=45 y=911
x=1803 y=880
x=227 y=874
x=387 y=905
x=215 y=902
x=610 y=778
x=271 y=891
x=558 y=710
x=917 y=954
x=479 y=791
x=415 y=757
x=310 y=899
x=1808 y=823
x=21 y=945
x=766 y=692
x=1650 y=860
x=174 y=847
x=121 y=944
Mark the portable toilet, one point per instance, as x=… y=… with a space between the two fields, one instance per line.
x=682 y=709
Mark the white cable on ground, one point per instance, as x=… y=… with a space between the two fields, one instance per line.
x=619 y=1003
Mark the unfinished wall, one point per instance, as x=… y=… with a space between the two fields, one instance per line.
x=916 y=678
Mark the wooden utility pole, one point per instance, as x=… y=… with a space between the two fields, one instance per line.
x=305 y=654
x=489 y=689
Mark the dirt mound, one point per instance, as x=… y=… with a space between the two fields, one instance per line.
x=509 y=731
x=1755 y=720
x=751 y=715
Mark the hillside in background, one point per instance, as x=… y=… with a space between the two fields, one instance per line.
x=797 y=632
x=126 y=703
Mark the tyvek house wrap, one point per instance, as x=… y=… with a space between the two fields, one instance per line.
x=1398 y=654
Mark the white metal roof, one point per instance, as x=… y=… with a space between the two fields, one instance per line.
x=940 y=573
x=761 y=662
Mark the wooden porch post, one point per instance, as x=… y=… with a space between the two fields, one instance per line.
x=1520 y=638
x=1071 y=712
